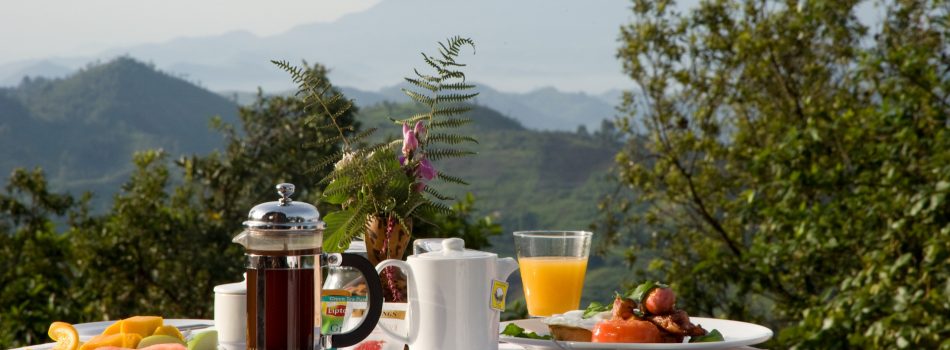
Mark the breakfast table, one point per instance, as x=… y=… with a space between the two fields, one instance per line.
x=501 y=346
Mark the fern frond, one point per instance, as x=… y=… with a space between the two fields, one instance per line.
x=426 y=77
x=327 y=160
x=457 y=86
x=426 y=100
x=333 y=139
x=413 y=119
x=456 y=43
x=450 y=123
x=436 y=209
x=455 y=98
x=452 y=179
x=422 y=84
x=450 y=111
x=433 y=192
x=362 y=135
x=295 y=73
x=443 y=153
x=452 y=74
x=431 y=63
x=452 y=139
x=449 y=63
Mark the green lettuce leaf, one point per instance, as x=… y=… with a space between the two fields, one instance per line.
x=641 y=292
x=595 y=308
x=712 y=336
x=513 y=330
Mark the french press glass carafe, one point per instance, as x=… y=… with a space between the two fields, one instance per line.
x=283 y=245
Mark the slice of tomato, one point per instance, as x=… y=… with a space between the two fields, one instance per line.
x=626 y=331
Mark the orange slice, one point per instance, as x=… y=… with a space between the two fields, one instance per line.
x=65 y=336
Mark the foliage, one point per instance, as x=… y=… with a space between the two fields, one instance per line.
x=154 y=252
x=373 y=180
x=795 y=166
x=458 y=224
x=279 y=141
x=35 y=276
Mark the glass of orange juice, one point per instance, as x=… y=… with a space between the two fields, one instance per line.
x=552 y=264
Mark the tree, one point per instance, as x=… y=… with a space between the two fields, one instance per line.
x=153 y=252
x=280 y=141
x=35 y=271
x=163 y=247
x=795 y=167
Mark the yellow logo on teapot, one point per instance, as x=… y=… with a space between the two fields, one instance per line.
x=499 y=291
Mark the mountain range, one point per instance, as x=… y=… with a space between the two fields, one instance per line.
x=83 y=129
x=545 y=109
x=520 y=46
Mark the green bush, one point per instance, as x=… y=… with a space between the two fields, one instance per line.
x=796 y=166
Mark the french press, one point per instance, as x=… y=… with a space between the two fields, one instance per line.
x=283 y=243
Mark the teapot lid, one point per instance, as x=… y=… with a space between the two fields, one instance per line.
x=284 y=214
x=454 y=249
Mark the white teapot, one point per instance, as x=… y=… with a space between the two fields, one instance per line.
x=454 y=297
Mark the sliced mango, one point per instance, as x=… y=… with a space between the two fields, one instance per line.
x=65 y=336
x=142 y=325
x=169 y=330
x=123 y=340
x=114 y=328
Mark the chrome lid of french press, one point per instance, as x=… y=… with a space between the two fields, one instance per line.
x=284 y=214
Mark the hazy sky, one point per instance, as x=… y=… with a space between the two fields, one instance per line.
x=81 y=31
x=43 y=28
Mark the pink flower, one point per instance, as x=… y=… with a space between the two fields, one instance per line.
x=426 y=170
x=409 y=140
x=420 y=130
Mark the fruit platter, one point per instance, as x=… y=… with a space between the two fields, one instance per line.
x=136 y=332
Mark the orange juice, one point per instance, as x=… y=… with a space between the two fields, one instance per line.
x=552 y=285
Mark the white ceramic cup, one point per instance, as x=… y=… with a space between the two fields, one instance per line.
x=230 y=313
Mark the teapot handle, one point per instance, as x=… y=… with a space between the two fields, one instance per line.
x=411 y=286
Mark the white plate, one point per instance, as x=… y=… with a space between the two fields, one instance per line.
x=734 y=333
x=88 y=330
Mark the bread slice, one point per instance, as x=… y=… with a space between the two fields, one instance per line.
x=568 y=333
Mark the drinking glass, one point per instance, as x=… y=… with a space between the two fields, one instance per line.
x=552 y=264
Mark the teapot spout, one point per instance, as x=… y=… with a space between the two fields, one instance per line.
x=505 y=267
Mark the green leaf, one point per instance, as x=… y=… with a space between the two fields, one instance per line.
x=336 y=240
x=712 y=336
x=513 y=330
x=642 y=291
x=595 y=308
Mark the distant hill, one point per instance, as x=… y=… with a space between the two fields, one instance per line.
x=520 y=45
x=12 y=74
x=545 y=109
x=83 y=129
